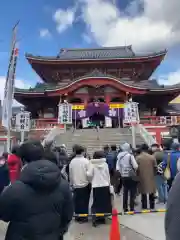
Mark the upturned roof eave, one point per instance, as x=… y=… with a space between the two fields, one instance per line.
x=31 y=57
x=148 y=90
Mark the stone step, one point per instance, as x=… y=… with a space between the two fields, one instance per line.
x=88 y=138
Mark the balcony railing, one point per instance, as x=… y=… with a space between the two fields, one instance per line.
x=49 y=123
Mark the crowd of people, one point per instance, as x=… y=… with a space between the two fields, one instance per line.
x=39 y=183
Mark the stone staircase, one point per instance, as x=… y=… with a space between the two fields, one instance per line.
x=93 y=140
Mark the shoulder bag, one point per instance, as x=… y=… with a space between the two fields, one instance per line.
x=167 y=172
x=132 y=172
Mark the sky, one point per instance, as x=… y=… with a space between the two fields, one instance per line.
x=46 y=26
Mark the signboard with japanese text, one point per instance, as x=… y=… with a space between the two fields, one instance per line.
x=118 y=105
x=23 y=123
x=131 y=112
x=65 y=113
x=78 y=107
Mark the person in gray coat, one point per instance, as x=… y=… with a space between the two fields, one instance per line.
x=172 y=218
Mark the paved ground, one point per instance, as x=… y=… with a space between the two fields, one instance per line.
x=137 y=227
x=87 y=232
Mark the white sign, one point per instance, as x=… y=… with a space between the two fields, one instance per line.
x=65 y=113
x=23 y=122
x=131 y=112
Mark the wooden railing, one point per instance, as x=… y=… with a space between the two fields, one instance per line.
x=160 y=120
x=49 y=123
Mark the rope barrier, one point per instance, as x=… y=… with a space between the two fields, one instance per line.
x=121 y=213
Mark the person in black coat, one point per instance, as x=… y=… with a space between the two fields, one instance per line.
x=39 y=205
x=4 y=174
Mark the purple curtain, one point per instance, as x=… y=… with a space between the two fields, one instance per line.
x=102 y=108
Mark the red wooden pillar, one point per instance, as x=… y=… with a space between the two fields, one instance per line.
x=107 y=99
x=85 y=100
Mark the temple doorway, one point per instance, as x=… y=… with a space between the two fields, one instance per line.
x=98 y=119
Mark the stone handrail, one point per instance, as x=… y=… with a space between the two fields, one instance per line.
x=52 y=134
x=148 y=138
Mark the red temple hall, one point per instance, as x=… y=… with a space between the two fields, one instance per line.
x=97 y=82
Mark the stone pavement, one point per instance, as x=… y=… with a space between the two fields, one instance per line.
x=87 y=232
x=136 y=227
x=150 y=225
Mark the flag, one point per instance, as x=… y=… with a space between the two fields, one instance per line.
x=9 y=85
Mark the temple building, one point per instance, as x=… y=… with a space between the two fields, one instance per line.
x=97 y=82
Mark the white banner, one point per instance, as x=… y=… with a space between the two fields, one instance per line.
x=131 y=113
x=65 y=113
x=9 y=85
x=23 y=122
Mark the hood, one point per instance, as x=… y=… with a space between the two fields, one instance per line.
x=41 y=175
x=175 y=146
x=126 y=147
x=99 y=163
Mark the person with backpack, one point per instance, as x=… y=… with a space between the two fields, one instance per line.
x=161 y=184
x=127 y=166
x=170 y=163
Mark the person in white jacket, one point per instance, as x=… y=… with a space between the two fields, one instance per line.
x=100 y=180
x=79 y=182
x=126 y=165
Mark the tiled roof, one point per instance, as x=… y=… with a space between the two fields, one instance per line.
x=146 y=84
x=97 y=53
x=104 y=53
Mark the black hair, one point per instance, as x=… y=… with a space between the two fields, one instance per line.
x=144 y=148
x=113 y=147
x=106 y=148
x=137 y=151
x=166 y=143
x=74 y=147
x=79 y=150
x=5 y=155
x=16 y=150
x=51 y=156
x=31 y=151
x=98 y=155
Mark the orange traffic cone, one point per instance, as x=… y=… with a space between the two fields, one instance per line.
x=115 y=227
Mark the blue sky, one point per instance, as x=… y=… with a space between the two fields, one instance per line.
x=46 y=26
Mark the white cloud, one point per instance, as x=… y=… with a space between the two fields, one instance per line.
x=157 y=25
x=44 y=33
x=170 y=79
x=64 y=18
x=18 y=83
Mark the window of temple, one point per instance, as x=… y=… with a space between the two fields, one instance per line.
x=75 y=100
x=117 y=99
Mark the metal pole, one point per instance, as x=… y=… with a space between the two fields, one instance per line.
x=119 y=118
x=133 y=130
x=22 y=136
x=75 y=124
x=9 y=137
